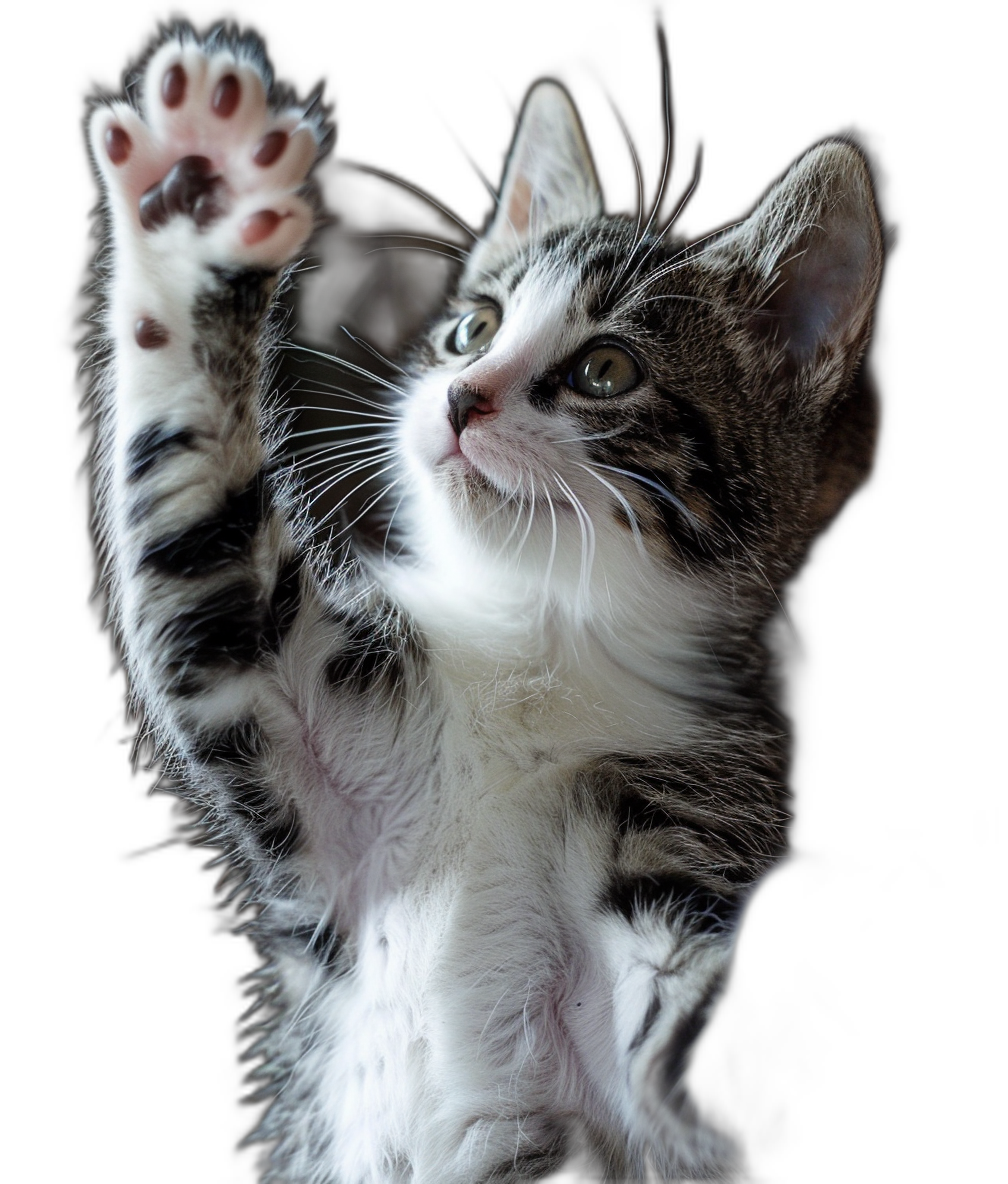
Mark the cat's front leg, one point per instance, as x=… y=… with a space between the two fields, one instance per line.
x=264 y=692
x=202 y=178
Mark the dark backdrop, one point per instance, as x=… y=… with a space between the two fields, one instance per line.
x=135 y=977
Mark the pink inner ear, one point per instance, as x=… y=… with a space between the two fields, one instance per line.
x=549 y=180
x=519 y=205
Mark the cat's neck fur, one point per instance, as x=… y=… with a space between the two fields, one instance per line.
x=628 y=650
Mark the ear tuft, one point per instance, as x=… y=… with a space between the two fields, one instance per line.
x=549 y=179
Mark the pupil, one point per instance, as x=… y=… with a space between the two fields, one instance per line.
x=604 y=368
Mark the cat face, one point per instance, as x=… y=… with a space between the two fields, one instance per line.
x=599 y=398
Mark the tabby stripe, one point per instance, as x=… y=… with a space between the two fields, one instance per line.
x=692 y=541
x=636 y=813
x=217 y=541
x=152 y=445
x=703 y=910
x=277 y=831
x=225 y=625
x=239 y=744
x=654 y=1007
x=685 y=1033
x=363 y=660
x=694 y=428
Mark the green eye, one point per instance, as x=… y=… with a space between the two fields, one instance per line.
x=603 y=371
x=476 y=330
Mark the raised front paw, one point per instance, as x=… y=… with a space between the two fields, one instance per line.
x=204 y=146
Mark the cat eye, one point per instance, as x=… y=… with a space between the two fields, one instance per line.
x=603 y=371
x=476 y=330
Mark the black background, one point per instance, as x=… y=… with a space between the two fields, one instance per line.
x=135 y=982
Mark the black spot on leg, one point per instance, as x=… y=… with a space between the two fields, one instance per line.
x=276 y=830
x=224 y=538
x=227 y=318
x=241 y=744
x=364 y=660
x=236 y=756
x=242 y=295
x=154 y=444
x=225 y=626
x=701 y=909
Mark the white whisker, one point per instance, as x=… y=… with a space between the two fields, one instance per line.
x=587 y=538
x=628 y=509
x=335 y=454
x=390 y=240
x=667 y=494
x=528 y=529
x=343 y=364
x=374 y=352
x=553 y=541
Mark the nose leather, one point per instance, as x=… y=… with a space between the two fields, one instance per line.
x=462 y=399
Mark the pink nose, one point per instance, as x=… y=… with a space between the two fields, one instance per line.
x=465 y=400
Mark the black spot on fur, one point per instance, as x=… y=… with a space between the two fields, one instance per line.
x=224 y=626
x=322 y=943
x=703 y=910
x=240 y=744
x=153 y=444
x=228 y=316
x=580 y=1159
x=364 y=660
x=275 y=829
x=212 y=544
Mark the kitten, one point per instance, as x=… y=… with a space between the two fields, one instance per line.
x=493 y=798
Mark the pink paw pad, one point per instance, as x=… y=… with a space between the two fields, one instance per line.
x=208 y=148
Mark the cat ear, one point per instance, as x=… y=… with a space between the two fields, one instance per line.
x=549 y=179
x=814 y=248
